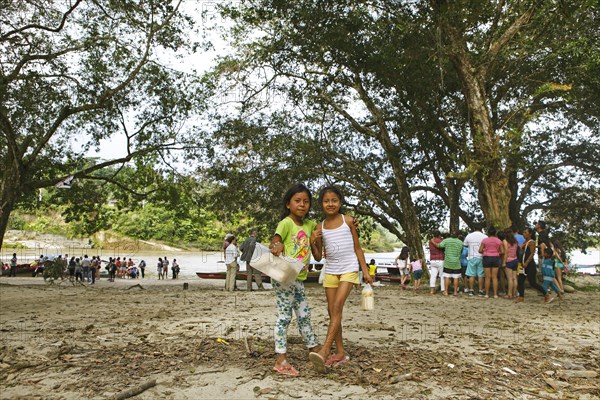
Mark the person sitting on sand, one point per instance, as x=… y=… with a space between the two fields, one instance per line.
x=132 y=272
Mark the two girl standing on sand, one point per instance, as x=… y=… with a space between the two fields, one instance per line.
x=296 y=237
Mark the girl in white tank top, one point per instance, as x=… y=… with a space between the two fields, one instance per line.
x=336 y=239
x=339 y=249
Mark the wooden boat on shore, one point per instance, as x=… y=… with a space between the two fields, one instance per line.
x=22 y=269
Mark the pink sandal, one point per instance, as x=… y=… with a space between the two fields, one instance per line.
x=335 y=360
x=287 y=369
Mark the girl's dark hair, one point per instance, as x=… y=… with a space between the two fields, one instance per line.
x=510 y=238
x=558 y=248
x=404 y=253
x=372 y=261
x=336 y=191
x=531 y=232
x=287 y=197
x=491 y=231
x=501 y=235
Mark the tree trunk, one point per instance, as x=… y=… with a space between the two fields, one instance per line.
x=514 y=206
x=454 y=189
x=10 y=190
x=494 y=198
x=411 y=225
x=490 y=177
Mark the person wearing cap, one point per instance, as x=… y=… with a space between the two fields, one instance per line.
x=247 y=249
x=543 y=241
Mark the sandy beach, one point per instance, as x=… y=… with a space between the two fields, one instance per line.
x=71 y=342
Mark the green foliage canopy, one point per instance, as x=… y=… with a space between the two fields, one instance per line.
x=75 y=73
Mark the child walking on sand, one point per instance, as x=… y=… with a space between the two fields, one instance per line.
x=372 y=269
x=402 y=265
x=416 y=267
x=337 y=235
x=549 y=275
x=292 y=238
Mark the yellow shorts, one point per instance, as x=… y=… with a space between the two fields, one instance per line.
x=333 y=281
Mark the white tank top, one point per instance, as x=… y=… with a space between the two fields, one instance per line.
x=339 y=249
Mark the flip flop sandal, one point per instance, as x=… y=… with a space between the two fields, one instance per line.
x=287 y=370
x=335 y=360
x=318 y=362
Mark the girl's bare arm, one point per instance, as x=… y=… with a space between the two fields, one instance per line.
x=316 y=243
x=360 y=254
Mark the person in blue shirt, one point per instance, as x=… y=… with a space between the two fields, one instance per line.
x=549 y=275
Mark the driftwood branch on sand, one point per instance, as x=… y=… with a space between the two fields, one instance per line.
x=134 y=391
x=138 y=286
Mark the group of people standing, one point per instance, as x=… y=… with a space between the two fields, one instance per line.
x=86 y=269
x=232 y=253
x=162 y=268
x=505 y=256
x=500 y=261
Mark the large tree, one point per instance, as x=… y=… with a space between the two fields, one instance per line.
x=417 y=103
x=519 y=76
x=76 y=73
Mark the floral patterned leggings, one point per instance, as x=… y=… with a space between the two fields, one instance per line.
x=292 y=298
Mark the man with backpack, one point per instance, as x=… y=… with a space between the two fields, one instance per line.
x=142 y=267
x=247 y=249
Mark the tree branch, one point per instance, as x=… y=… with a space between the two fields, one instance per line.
x=496 y=46
x=66 y=111
x=42 y=27
x=83 y=173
